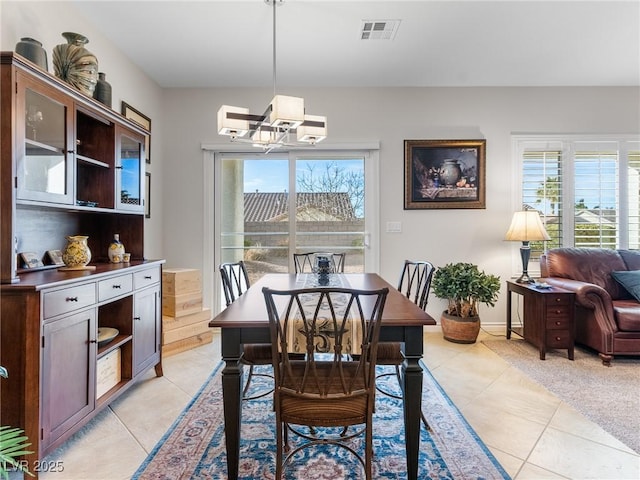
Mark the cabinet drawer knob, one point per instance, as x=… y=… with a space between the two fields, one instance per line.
x=558 y=338
x=557 y=299
x=116 y=286
x=558 y=311
x=557 y=323
x=147 y=277
x=136 y=318
x=71 y=299
x=93 y=341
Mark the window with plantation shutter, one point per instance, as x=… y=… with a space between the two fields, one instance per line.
x=586 y=190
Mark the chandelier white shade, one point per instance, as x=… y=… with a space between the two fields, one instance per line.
x=228 y=124
x=284 y=122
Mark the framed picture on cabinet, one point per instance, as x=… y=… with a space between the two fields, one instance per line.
x=55 y=257
x=145 y=122
x=147 y=195
x=444 y=174
x=31 y=260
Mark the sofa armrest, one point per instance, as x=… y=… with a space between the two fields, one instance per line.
x=589 y=296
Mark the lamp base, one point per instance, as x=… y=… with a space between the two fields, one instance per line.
x=525 y=278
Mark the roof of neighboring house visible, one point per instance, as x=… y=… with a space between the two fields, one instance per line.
x=273 y=207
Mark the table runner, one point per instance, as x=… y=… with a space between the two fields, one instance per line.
x=325 y=341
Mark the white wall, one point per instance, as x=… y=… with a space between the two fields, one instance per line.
x=392 y=115
x=45 y=21
x=184 y=119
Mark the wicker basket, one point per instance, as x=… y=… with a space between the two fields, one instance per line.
x=458 y=329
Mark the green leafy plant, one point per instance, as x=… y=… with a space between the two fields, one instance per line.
x=464 y=286
x=13 y=444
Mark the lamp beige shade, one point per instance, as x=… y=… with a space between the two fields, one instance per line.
x=526 y=226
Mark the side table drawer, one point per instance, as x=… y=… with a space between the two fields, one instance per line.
x=559 y=339
x=68 y=299
x=562 y=322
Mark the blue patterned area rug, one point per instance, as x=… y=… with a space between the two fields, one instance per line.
x=193 y=447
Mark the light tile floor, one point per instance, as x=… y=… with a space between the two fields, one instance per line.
x=532 y=433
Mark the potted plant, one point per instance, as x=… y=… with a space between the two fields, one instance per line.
x=13 y=444
x=464 y=286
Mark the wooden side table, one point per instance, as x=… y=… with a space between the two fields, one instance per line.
x=548 y=318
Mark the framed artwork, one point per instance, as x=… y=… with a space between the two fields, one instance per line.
x=444 y=174
x=147 y=195
x=145 y=122
x=31 y=260
x=55 y=257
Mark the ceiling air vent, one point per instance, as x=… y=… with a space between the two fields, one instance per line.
x=379 y=29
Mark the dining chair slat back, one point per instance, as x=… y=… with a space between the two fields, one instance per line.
x=325 y=387
x=306 y=262
x=235 y=282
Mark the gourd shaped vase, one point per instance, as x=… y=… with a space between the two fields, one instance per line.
x=76 y=65
x=116 y=250
x=76 y=254
x=450 y=172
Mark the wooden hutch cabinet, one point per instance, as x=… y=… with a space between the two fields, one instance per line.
x=69 y=166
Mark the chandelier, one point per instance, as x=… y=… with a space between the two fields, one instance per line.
x=284 y=122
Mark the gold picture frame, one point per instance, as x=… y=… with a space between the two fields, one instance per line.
x=444 y=174
x=141 y=119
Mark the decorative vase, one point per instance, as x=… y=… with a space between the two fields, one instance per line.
x=450 y=172
x=116 y=250
x=31 y=49
x=102 y=93
x=76 y=254
x=76 y=65
x=459 y=329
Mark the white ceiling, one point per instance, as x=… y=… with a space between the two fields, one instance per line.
x=438 y=43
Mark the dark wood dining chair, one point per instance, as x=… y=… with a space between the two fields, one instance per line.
x=306 y=262
x=415 y=284
x=327 y=387
x=235 y=281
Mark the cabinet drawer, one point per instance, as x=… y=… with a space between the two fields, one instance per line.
x=559 y=339
x=115 y=286
x=146 y=277
x=68 y=299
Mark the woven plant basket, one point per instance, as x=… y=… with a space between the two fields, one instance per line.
x=459 y=329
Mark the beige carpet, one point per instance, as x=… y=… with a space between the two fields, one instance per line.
x=608 y=396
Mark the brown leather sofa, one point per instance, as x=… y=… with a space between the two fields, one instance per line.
x=607 y=316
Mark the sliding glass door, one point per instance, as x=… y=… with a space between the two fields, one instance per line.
x=273 y=205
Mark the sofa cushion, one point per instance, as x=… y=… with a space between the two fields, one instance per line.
x=630 y=280
x=627 y=315
x=631 y=258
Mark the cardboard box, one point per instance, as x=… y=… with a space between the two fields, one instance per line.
x=187 y=343
x=181 y=305
x=108 y=372
x=170 y=336
x=170 y=323
x=179 y=281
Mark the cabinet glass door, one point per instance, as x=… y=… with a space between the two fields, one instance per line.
x=43 y=169
x=129 y=183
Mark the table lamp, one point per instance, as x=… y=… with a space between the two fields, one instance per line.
x=525 y=227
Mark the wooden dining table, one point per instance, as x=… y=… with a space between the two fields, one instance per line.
x=246 y=321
